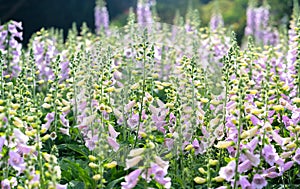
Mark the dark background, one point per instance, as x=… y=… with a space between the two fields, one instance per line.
x=36 y=14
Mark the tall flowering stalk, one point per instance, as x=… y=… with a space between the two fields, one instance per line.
x=10 y=36
x=144 y=14
x=259 y=26
x=101 y=17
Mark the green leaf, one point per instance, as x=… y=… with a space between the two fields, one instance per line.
x=112 y=184
x=80 y=149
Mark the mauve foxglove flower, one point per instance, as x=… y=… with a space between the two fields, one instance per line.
x=16 y=161
x=131 y=180
x=228 y=171
x=65 y=131
x=112 y=132
x=216 y=21
x=258 y=182
x=296 y=157
x=270 y=154
x=159 y=175
x=199 y=148
x=20 y=136
x=49 y=118
x=91 y=143
x=169 y=143
x=61 y=186
x=271 y=172
x=5 y=184
x=25 y=149
x=63 y=120
x=133 y=162
x=255 y=121
x=133 y=120
x=245 y=166
x=254 y=159
x=283 y=167
x=245 y=184
x=172 y=119
x=64 y=68
x=113 y=143
x=2 y=140
x=136 y=152
x=129 y=106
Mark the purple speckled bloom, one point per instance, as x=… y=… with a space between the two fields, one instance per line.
x=133 y=120
x=285 y=166
x=91 y=143
x=159 y=175
x=131 y=179
x=20 y=136
x=245 y=184
x=296 y=157
x=270 y=154
x=245 y=166
x=50 y=118
x=16 y=161
x=2 y=140
x=198 y=148
x=228 y=171
x=63 y=120
x=5 y=184
x=113 y=143
x=258 y=181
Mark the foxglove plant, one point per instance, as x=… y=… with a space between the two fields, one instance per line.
x=143 y=12
x=101 y=17
x=10 y=36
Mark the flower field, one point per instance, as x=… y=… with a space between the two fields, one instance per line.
x=151 y=105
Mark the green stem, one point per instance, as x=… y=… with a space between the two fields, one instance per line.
x=142 y=98
x=237 y=157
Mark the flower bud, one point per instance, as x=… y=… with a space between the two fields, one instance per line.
x=213 y=162
x=201 y=170
x=92 y=158
x=188 y=147
x=199 y=180
x=93 y=165
x=111 y=165
x=97 y=177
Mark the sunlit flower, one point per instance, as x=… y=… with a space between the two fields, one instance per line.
x=258 y=181
x=228 y=171
x=296 y=157
x=133 y=162
x=113 y=143
x=270 y=154
x=16 y=161
x=131 y=179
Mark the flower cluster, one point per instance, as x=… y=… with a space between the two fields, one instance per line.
x=151 y=105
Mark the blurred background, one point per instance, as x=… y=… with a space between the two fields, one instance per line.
x=36 y=14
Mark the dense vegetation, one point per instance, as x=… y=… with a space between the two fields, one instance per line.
x=152 y=105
